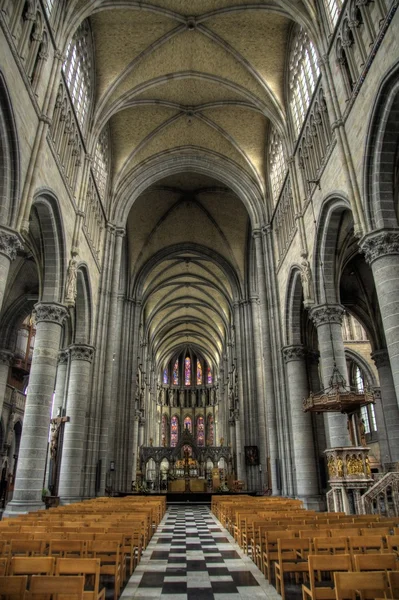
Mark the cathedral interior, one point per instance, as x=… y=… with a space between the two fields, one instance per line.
x=199 y=250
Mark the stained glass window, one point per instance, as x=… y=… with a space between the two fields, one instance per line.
x=176 y=373
x=174 y=431
x=277 y=164
x=199 y=373
x=200 y=431
x=165 y=376
x=210 y=431
x=209 y=375
x=187 y=371
x=188 y=424
x=187 y=449
x=164 y=430
x=101 y=162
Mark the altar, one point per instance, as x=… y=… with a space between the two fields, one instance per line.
x=185 y=468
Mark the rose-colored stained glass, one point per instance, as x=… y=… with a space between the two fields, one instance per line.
x=174 y=431
x=200 y=431
x=187 y=371
x=176 y=373
x=210 y=431
x=209 y=375
x=188 y=424
x=199 y=373
x=165 y=427
x=165 y=376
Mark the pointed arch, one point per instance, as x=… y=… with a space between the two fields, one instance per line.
x=9 y=159
x=83 y=322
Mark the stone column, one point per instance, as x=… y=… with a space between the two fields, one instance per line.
x=69 y=488
x=381 y=250
x=10 y=243
x=32 y=454
x=135 y=445
x=5 y=361
x=386 y=409
x=328 y=320
x=60 y=384
x=301 y=426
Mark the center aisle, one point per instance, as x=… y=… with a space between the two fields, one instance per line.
x=192 y=557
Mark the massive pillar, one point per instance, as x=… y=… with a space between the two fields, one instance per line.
x=301 y=426
x=328 y=320
x=32 y=454
x=386 y=410
x=10 y=243
x=381 y=250
x=69 y=488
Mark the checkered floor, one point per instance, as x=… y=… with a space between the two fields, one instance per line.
x=191 y=557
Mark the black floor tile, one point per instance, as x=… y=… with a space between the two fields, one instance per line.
x=196 y=565
x=214 y=559
x=176 y=559
x=243 y=578
x=174 y=587
x=198 y=594
x=193 y=547
x=152 y=580
x=229 y=554
x=164 y=540
x=221 y=540
x=159 y=555
x=218 y=571
x=224 y=587
x=176 y=571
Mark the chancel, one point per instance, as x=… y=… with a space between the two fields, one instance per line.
x=199 y=252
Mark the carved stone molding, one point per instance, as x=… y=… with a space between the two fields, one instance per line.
x=10 y=243
x=381 y=358
x=379 y=243
x=6 y=357
x=63 y=357
x=51 y=312
x=293 y=353
x=82 y=352
x=327 y=313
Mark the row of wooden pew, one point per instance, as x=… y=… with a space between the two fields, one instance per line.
x=91 y=543
x=331 y=555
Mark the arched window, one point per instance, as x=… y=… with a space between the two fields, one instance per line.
x=165 y=430
x=200 y=432
x=78 y=68
x=277 y=164
x=165 y=376
x=209 y=378
x=175 y=377
x=210 y=431
x=302 y=77
x=199 y=372
x=187 y=371
x=25 y=344
x=188 y=424
x=174 y=431
x=101 y=162
x=333 y=8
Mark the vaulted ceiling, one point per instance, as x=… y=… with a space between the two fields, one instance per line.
x=198 y=77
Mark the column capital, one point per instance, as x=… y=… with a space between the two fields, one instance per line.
x=379 y=243
x=380 y=358
x=10 y=242
x=6 y=357
x=257 y=233
x=120 y=231
x=297 y=352
x=81 y=352
x=63 y=357
x=52 y=312
x=327 y=313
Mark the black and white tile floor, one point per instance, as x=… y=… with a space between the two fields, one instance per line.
x=192 y=557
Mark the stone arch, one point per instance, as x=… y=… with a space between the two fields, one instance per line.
x=192 y=160
x=358 y=359
x=381 y=154
x=325 y=262
x=293 y=308
x=9 y=160
x=50 y=240
x=83 y=307
x=13 y=317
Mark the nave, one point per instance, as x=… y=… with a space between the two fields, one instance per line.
x=192 y=557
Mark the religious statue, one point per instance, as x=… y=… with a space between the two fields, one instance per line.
x=307 y=283
x=362 y=433
x=193 y=398
x=181 y=398
x=340 y=466
x=70 y=287
x=203 y=398
x=151 y=442
x=332 y=469
x=221 y=441
x=171 y=398
x=55 y=429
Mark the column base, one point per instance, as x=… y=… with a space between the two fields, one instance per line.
x=16 y=508
x=313 y=503
x=64 y=500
